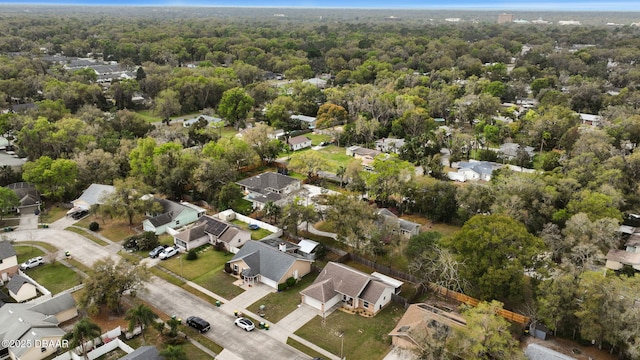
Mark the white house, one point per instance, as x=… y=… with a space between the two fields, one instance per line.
x=308 y=122
x=474 y=170
x=299 y=143
x=616 y=259
x=21 y=289
x=389 y=145
x=93 y=195
x=209 y=230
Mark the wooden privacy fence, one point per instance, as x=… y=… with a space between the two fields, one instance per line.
x=509 y=315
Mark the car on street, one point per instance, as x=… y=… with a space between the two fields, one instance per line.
x=198 y=323
x=167 y=253
x=156 y=251
x=245 y=324
x=31 y=263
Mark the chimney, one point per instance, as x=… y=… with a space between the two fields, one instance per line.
x=282 y=247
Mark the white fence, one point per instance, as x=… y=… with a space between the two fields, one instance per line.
x=109 y=341
x=46 y=294
x=229 y=214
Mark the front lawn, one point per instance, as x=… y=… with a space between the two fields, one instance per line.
x=55 y=277
x=51 y=214
x=364 y=338
x=26 y=252
x=208 y=260
x=280 y=304
x=316 y=139
x=220 y=283
x=115 y=229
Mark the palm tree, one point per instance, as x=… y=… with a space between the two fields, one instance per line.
x=173 y=353
x=340 y=172
x=272 y=210
x=82 y=332
x=141 y=315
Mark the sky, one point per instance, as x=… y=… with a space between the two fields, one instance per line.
x=523 y=5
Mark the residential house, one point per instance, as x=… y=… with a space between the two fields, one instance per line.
x=268 y=186
x=510 y=150
x=21 y=289
x=209 y=119
x=299 y=143
x=174 y=215
x=590 y=119
x=405 y=227
x=389 y=145
x=29 y=196
x=258 y=262
x=308 y=248
x=616 y=258
x=342 y=285
x=366 y=155
x=318 y=82
x=474 y=170
x=28 y=323
x=209 y=230
x=8 y=261
x=417 y=319
x=93 y=195
x=307 y=122
x=276 y=134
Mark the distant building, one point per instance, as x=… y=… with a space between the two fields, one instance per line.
x=569 y=22
x=505 y=18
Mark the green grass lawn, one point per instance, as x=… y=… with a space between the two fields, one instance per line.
x=26 y=252
x=228 y=132
x=148 y=116
x=255 y=234
x=305 y=349
x=220 y=283
x=334 y=155
x=52 y=214
x=208 y=260
x=316 y=139
x=115 y=230
x=364 y=338
x=280 y=304
x=55 y=277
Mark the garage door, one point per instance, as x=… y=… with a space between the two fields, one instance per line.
x=269 y=282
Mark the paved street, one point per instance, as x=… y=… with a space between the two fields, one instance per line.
x=174 y=300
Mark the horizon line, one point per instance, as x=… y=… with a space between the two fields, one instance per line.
x=487 y=7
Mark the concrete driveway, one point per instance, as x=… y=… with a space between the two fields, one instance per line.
x=174 y=300
x=238 y=343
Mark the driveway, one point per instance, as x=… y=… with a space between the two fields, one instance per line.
x=238 y=343
x=294 y=321
x=174 y=300
x=28 y=221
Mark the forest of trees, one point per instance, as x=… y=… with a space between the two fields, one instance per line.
x=386 y=79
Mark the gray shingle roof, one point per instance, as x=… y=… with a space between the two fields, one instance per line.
x=193 y=233
x=144 y=353
x=16 y=283
x=55 y=305
x=213 y=226
x=298 y=140
x=171 y=210
x=269 y=180
x=265 y=260
x=96 y=193
x=27 y=193
x=17 y=320
x=345 y=280
x=6 y=250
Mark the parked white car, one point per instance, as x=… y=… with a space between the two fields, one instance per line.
x=31 y=263
x=168 y=252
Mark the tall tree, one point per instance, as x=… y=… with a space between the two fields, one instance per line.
x=234 y=106
x=308 y=163
x=83 y=331
x=486 y=335
x=495 y=250
x=128 y=200
x=142 y=316
x=53 y=178
x=167 y=105
x=110 y=281
x=8 y=201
